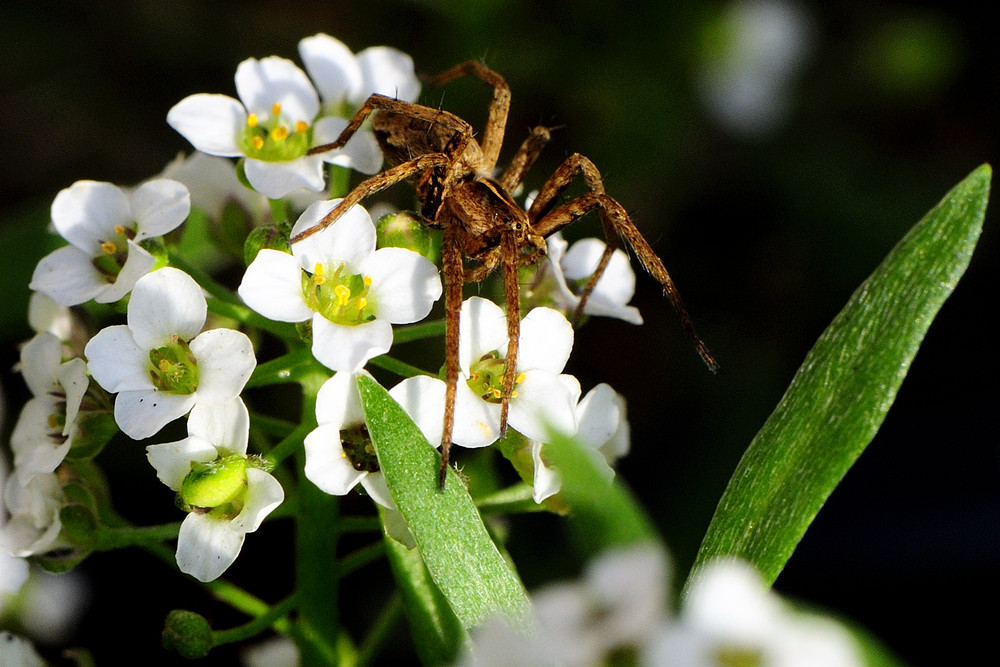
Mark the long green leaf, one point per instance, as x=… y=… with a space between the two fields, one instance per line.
x=840 y=395
x=458 y=552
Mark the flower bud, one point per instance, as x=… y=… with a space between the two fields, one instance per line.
x=186 y=633
x=406 y=230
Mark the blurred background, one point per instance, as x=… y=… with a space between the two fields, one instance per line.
x=771 y=151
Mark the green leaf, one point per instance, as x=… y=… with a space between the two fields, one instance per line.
x=458 y=552
x=437 y=632
x=840 y=395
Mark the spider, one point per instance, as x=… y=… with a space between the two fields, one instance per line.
x=478 y=217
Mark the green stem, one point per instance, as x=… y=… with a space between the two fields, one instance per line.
x=381 y=630
x=316 y=538
x=286 y=369
x=279 y=210
x=400 y=368
x=133 y=536
x=410 y=332
x=361 y=557
x=272 y=617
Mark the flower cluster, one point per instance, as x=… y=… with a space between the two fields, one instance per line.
x=619 y=608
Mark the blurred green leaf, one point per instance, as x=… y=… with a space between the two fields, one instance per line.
x=458 y=552
x=841 y=393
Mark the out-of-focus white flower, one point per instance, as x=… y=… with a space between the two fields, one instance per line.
x=351 y=292
x=104 y=226
x=18 y=651
x=213 y=183
x=160 y=364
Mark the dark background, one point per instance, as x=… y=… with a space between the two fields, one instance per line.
x=766 y=232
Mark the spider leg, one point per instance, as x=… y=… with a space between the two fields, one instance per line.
x=616 y=223
x=499 y=108
x=524 y=158
x=454 y=279
x=374 y=102
x=509 y=250
x=375 y=184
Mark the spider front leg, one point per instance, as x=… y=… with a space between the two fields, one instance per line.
x=616 y=223
x=524 y=158
x=500 y=106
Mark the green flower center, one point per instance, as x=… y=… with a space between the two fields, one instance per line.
x=732 y=656
x=274 y=138
x=342 y=299
x=486 y=377
x=358 y=448
x=217 y=487
x=114 y=252
x=173 y=368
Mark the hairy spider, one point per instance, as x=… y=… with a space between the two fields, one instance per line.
x=479 y=219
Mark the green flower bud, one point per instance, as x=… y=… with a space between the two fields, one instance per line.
x=272 y=237
x=212 y=485
x=407 y=230
x=186 y=633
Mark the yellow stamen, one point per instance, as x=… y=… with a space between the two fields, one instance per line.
x=276 y=109
x=279 y=133
x=119 y=229
x=301 y=127
x=519 y=378
x=252 y=120
x=362 y=302
x=258 y=143
x=164 y=365
x=343 y=295
x=367 y=280
x=513 y=394
x=319 y=274
x=497 y=393
x=108 y=248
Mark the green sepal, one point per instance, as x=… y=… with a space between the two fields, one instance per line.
x=271 y=237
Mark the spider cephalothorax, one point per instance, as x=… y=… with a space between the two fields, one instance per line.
x=479 y=218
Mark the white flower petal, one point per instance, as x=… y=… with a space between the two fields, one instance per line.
x=138 y=263
x=396 y=528
x=225 y=362
x=477 y=422
x=225 y=425
x=272 y=285
x=159 y=206
x=212 y=123
x=361 y=153
x=32 y=443
x=207 y=546
x=40 y=360
x=141 y=414
x=67 y=276
x=264 y=493
x=547 y=481
x=327 y=466
x=164 y=303
x=116 y=362
x=350 y=240
x=74 y=382
x=332 y=67
x=546 y=341
x=338 y=402
x=348 y=348
x=86 y=213
x=376 y=486
x=388 y=71
x=482 y=329
x=544 y=405
x=422 y=398
x=277 y=179
x=44 y=314
x=172 y=460
x=404 y=284
x=600 y=413
x=262 y=83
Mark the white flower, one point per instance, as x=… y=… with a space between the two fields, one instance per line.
x=104 y=226
x=33 y=502
x=345 y=81
x=213 y=183
x=562 y=277
x=273 y=125
x=603 y=431
x=339 y=452
x=19 y=651
x=350 y=291
x=47 y=425
x=729 y=616
x=165 y=315
x=229 y=496
x=619 y=603
x=543 y=400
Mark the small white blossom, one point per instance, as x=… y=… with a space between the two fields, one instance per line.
x=351 y=292
x=159 y=364
x=212 y=536
x=273 y=125
x=33 y=503
x=339 y=452
x=543 y=401
x=603 y=431
x=213 y=183
x=345 y=80
x=729 y=616
x=104 y=226
x=47 y=425
x=562 y=277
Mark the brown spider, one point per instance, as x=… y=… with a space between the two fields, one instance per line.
x=478 y=217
